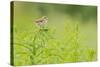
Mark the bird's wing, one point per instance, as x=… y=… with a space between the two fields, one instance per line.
x=39 y=20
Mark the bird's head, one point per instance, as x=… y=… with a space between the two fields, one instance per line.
x=45 y=17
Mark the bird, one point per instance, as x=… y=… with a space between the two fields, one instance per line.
x=41 y=22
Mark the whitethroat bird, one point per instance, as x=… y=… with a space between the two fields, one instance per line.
x=41 y=22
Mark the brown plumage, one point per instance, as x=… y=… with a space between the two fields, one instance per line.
x=42 y=21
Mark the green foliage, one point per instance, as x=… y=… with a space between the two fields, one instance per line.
x=65 y=39
x=41 y=47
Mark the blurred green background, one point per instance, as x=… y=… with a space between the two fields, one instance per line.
x=73 y=27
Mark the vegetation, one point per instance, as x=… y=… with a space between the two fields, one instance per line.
x=66 y=37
